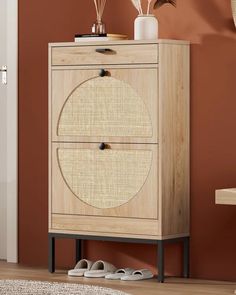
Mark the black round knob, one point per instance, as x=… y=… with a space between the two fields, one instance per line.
x=102 y=146
x=102 y=73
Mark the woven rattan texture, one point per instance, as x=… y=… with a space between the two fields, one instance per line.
x=105 y=179
x=104 y=106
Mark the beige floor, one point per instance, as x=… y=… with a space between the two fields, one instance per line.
x=172 y=286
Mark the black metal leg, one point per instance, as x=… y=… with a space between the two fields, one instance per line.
x=160 y=261
x=51 y=253
x=186 y=257
x=78 y=250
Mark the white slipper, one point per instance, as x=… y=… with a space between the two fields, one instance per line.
x=100 y=269
x=137 y=275
x=119 y=273
x=81 y=267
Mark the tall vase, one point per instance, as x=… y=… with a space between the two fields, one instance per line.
x=145 y=27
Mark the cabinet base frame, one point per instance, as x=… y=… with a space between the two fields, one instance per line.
x=160 y=246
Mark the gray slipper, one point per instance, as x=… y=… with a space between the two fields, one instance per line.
x=100 y=269
x=137 y=275
x=81 y=267
x=119 y=273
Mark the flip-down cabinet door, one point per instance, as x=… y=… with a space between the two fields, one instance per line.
x=121 y=106
x=116 y=181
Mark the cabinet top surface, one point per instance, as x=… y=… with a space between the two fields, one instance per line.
x=120 y=42
x=226 y=196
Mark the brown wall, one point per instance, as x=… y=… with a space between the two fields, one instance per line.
x=208 y=25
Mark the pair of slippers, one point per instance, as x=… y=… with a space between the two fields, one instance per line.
x=89 y=269
x=102 y=269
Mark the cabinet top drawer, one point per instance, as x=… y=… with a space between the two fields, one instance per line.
x=104 y=54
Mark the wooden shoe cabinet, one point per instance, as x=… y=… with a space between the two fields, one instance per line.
x=119 y=143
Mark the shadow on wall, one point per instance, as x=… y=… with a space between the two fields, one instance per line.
x=211 y=12
x=192 y=20
x=135 y=255
x=213 y=156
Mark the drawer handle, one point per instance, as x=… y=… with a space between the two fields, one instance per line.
x=102 y=146
x=105 y=51
x=102 y=73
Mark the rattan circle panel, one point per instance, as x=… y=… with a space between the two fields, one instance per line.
x=104 y=106
x=104 y=179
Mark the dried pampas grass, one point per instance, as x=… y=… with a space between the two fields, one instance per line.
x=149 y=4
x=137 y=5
x=158 y=3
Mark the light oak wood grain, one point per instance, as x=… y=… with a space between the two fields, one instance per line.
x=226 y=196
x=119 y=235
x=124 y=54
x=120 y=42
x=98 y=67
x=107 y=226
x=174 y=108
x=49 y=136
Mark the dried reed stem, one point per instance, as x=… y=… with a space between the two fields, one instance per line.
x=148 y=8
x=99 y=5
x=137 y=5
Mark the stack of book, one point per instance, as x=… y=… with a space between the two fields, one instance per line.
x=99 y=37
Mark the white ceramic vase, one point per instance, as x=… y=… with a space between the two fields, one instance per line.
x=145 y=27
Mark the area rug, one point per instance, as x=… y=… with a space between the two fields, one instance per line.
x=22 y=287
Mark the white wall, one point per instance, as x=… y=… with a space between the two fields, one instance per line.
x=3 y=136
x=12 y=141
